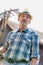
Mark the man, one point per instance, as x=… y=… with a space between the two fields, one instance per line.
x=21 y=46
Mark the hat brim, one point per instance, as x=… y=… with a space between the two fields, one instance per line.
x=26 y=14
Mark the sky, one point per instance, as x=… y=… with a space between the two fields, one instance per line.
x=35 y=7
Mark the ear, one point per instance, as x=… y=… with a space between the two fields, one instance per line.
x=18 y=18
x=29 y=21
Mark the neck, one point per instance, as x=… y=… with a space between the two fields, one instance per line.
x=22 y=28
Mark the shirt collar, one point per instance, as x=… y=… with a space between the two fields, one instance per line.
x=25 y=30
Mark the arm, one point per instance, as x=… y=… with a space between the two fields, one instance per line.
x=35 y=49
x=4 y=47
x=6 y=44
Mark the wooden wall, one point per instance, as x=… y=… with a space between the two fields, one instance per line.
x=8 y=29
x=41 y=54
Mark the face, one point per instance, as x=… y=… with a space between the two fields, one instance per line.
x=24 y=19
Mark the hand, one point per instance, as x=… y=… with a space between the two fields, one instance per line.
x=33 y=61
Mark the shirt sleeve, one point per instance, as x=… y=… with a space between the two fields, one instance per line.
x=35 y=46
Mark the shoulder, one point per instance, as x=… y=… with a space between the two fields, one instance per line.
x=11 y=32
x=10 y=35
x=32 y=32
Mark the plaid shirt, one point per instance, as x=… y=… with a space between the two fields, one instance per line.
x=22 y=45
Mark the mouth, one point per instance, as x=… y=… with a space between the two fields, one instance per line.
x=24 y=20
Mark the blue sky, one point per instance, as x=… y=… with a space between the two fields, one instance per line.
x=35 y=7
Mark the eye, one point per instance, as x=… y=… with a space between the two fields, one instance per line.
x=27 y=16
x=23 y=16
